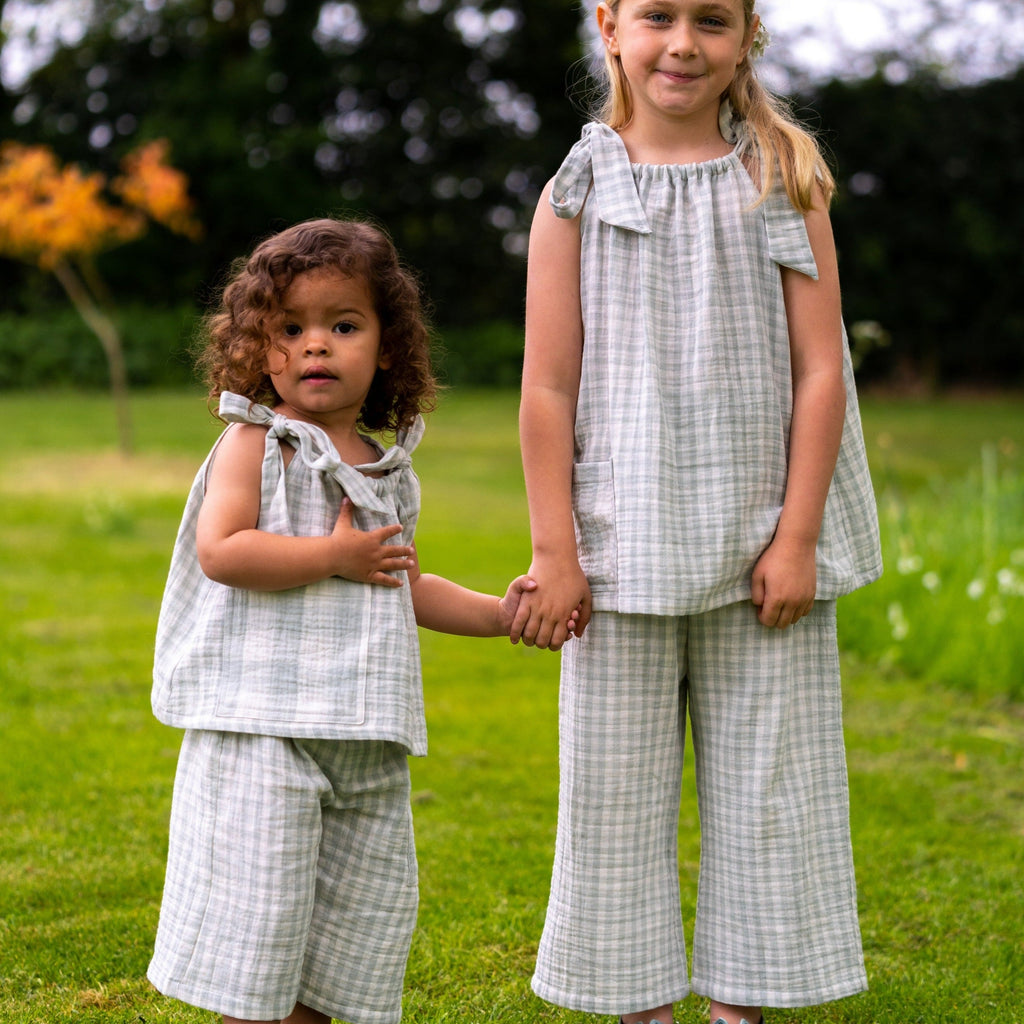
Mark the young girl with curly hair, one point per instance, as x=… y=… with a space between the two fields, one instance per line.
x=287 y=648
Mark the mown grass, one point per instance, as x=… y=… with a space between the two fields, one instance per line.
x=86 y=773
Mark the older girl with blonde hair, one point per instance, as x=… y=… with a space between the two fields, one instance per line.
x=699 y=494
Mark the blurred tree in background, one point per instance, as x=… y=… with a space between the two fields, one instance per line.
x=443 y=118
x=59 y=219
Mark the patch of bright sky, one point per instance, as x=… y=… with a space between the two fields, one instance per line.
x=30 y=30
x=974 y=38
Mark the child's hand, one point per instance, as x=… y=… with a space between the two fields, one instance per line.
x=556 y=610
x=783 y=584
x=363 y=555
x=510 y=605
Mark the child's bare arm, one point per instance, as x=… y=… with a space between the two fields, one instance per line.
x=784 y=579
x=232 y=551
x=551 y=379
x=446 y=607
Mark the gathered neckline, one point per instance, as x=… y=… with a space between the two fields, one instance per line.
x=716 y=165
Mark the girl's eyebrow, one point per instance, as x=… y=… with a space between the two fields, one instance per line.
x=332 y=310
x=721 y=10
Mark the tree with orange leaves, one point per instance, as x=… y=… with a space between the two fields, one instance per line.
x=60 y=218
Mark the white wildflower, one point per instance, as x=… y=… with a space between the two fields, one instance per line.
x=898 y=621
x=1010 y=584
x=908 y=564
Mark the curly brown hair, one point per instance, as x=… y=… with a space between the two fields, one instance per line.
x=236 y=337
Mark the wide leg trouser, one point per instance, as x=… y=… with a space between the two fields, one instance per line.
x=776 y=919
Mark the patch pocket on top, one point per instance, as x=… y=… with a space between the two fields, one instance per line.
x=593 y=506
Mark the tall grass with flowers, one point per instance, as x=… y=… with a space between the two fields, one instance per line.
x=950 y=605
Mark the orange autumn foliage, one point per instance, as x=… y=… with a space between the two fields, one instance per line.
x=51 y=213
x=152 y=185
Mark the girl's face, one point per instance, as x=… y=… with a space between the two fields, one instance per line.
x=678 y=56
x=325 y=347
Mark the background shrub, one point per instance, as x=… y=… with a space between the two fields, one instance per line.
x=58 y=350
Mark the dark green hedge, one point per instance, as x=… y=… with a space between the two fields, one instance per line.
x=58 y=349
x=490 y=355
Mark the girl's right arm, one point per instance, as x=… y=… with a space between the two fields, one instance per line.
x=551 y=382
x=234 y=552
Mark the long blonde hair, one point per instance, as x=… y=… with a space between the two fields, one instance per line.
x=783 y=147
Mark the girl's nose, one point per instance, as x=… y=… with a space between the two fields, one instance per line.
x=316 y=343
x=682 y=40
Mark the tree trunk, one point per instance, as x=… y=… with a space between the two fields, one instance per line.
x=110 y=338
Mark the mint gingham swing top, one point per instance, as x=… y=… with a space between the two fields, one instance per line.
x=335 y=659
x=682 y=422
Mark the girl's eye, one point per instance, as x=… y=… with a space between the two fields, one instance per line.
x=658 y=18
x=344 y=327
x=292 y=330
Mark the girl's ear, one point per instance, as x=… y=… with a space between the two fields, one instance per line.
x=748 y=38
x=607 y=27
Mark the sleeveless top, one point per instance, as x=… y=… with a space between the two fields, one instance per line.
x=335 y=659
x=682 y=422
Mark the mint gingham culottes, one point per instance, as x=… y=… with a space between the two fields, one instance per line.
x=776 y=919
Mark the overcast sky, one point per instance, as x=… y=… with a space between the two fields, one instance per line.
x=834 y=35
x=835 y=32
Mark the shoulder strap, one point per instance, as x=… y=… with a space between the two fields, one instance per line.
x=599 y=161
x=315 y=449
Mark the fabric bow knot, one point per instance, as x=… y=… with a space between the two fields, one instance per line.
x=318 y=453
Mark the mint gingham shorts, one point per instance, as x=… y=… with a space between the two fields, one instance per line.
x=291 y=877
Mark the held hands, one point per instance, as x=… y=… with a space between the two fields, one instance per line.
x=364 y=556
x=783 y=584
x=512 y=603
x=556 y=608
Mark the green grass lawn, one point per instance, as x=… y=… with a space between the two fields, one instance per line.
x=950 y=607
x=936 y=768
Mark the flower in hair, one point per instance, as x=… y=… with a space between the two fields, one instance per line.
x=761 y=42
